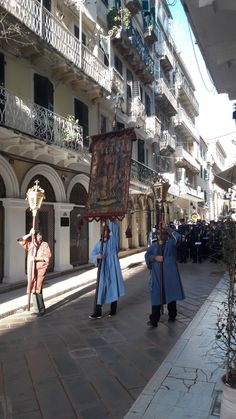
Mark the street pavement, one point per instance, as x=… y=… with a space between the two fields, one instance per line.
x=64 y=365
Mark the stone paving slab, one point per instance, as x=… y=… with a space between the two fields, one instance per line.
x=187 y=382
x=105 y=360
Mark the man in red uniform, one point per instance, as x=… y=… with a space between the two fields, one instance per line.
x=38 y=258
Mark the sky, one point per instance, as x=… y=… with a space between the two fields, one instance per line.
x=215 y=120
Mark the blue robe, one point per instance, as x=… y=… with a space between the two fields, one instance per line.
x=111 y=283
x=172 y=285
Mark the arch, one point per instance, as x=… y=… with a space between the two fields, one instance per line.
x=79 y=195
x=82 y=179
x=51 y=175
x=9 y=178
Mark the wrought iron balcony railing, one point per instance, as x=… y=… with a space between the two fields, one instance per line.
x=142 y=173
x=153 y=126
x=117 y=82
x=184 y=85
x=182 y=119
x=184 y=158
x=30 y=118
x=141 y=49
x=136 y=111
x=167 y=141
x=40 y=21
x=163 y=50
x=162 y=89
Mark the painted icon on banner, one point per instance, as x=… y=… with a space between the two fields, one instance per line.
x=110 y=174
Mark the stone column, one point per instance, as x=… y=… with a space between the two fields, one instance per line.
x=14 y=227
x=62 y=236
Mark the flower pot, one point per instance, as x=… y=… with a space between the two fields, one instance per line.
x=228 y=402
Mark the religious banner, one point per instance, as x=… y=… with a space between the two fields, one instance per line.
x=110 y=174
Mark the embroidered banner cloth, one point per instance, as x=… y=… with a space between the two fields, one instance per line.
x=110 y=174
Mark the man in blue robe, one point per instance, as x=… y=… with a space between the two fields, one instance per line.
x=171 y=288
x=110 y=285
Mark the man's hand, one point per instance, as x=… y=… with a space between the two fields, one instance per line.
x=32 y=231
x=159 y=258
x=99 y=255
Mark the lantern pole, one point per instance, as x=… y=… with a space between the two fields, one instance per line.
x=35 y=196
x=99 y=264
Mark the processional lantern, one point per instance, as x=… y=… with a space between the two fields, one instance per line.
x=160 y=189
x=35 y=196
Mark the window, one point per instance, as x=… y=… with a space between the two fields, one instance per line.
x=147 y=105
x=103 y=45
x=43 y=92
x=119 y=126
x=81 y=113
x=141 y=155
x=103 y=124
x=43 y=96
x=201 y=171
x=118 y=65
x=76 y=33
x=130 y=81
x=146 y=157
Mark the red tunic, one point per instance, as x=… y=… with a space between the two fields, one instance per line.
x=36 y=271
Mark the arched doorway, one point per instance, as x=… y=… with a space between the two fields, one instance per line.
x=79 y=239
x=2 y=195
x=45 y=216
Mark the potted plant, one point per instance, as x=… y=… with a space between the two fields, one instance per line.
x=118 y=19
x=226 y=322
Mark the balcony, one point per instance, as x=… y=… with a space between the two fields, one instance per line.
x=137 y=113
x=153 y=127
x=134 y=6
x=185 y=126
x=189 y=192
x=117 y=82
x=186 y=160
x=187 y=98
x=167 y=143
x=166 y=55
x=38 y=122
x=150 y=32
x=142 y=173
x=44 y=26
x=165 y=97
x=132 y=48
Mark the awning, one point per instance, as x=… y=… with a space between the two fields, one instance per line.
x=226 y=179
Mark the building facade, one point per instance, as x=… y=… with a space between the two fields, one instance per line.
x=73 y=69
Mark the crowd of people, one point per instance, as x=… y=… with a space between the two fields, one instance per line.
x=199 y=241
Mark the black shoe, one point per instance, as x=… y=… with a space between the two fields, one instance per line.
x=111 y=314
x=40 y=314
x=151 y=324
x=171 y=319
x=95 y=316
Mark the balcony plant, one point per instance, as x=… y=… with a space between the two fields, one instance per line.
x=71 y=133
x=226 y=322
x=118 y=19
